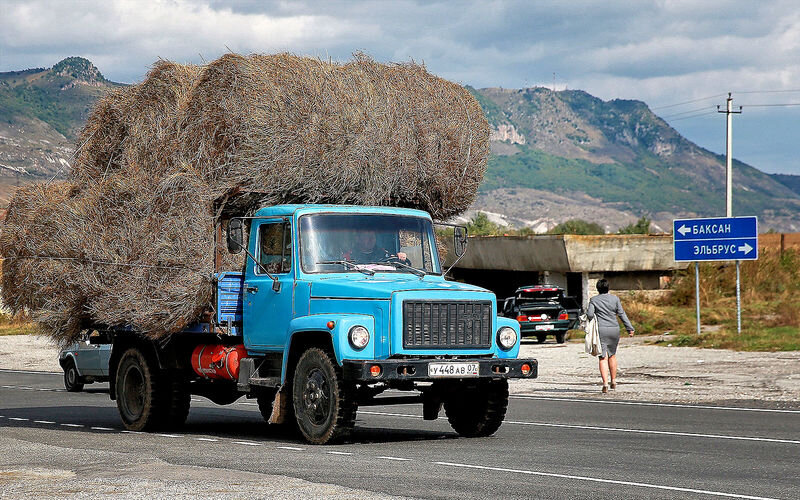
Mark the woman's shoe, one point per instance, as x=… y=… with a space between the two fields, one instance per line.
x=613 y=385
x=605 y=389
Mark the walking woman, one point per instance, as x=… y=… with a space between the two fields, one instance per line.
x=606 y=307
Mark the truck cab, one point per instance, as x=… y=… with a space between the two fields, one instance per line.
x=336 y=305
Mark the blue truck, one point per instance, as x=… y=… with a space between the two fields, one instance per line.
x=335 y=306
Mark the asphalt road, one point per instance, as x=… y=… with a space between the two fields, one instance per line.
x=547 y=448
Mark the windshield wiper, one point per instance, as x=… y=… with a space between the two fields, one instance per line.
x=400 y=265
x=349 y=265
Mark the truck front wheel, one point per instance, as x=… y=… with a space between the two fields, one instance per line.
x=323 y=403
x=477 y=410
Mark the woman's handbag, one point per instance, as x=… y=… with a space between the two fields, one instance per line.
x=592 y=339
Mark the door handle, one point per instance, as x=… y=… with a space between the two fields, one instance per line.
x=251 y=289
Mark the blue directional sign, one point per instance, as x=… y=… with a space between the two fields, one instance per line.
x=719 y=238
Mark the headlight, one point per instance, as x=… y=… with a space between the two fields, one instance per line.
x=359 y=337
x=506 y=338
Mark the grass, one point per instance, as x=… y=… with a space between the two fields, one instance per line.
x=770 y=301
x=16 y=326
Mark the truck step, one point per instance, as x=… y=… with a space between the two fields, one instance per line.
x=265 y=381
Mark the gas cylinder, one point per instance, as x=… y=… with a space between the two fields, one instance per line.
x=218 y=361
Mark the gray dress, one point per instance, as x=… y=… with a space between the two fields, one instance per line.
x=607 y=307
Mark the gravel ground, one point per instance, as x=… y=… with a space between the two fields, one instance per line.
x=668 y=374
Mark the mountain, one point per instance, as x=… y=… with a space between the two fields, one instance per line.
x=567 y=154
x=556 y=155
x=41 y=112
x=790 y=181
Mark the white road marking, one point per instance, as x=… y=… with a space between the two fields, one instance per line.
x=338 y=453
x=71 y=425
x=101 y=429
x=30 y=372
x=398 y=459
x=133 y=432
x=208 y=439
x=247 y=443
x=615 y=429
x=601 y=480
x=44 y=389
x=666 y=405
x=43 y=422
x=293 y=448
x=666 y=433
x=18 y=419
x=169 y=435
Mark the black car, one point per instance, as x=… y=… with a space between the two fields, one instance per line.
x=543 y=310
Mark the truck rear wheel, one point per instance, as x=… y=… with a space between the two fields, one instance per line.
x=147 y=398
x=323 y=404
x=478 y=410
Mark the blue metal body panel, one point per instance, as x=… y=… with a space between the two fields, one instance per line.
x=307 y=302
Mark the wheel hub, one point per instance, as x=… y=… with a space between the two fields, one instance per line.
x=315 y=397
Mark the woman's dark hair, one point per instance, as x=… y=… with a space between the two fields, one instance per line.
x=602 y=286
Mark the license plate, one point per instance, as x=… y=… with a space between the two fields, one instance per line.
x=544 y=327
x=453 y=369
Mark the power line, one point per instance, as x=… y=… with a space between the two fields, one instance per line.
x=694 y=116
x=689 y=102
x=765 y=91
x=782 y=91
x=780 y=105
x=685 y=112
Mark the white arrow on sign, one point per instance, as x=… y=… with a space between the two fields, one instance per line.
x=746 y=248
x=683 y=230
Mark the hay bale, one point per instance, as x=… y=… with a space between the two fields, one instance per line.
x=303 y=130
x=135 y=224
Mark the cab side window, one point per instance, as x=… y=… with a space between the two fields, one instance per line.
x=275 y=247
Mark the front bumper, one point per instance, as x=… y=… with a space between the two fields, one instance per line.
x=417 y=369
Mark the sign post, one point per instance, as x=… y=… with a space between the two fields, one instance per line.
x=715 y=239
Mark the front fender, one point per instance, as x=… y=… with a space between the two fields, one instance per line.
x=338 y=335
x=514 y=351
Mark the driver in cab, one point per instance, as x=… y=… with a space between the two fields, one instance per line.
x=366 y=251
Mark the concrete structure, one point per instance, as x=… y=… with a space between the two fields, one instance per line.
x=575 y=262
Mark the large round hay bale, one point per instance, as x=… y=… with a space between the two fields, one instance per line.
x=135 y=125
x=303 y=130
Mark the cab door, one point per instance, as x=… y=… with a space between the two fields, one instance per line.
x=267 y=303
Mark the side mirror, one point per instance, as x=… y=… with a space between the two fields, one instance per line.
x=235 y=236
x=459 y=240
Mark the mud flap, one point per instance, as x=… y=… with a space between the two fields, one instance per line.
x=279 y=409
x=431 y=406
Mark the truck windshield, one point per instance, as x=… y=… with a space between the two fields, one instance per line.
x=367 y=243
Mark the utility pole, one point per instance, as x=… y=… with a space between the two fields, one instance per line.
x=729 y=193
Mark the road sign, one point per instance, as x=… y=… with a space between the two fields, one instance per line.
x=718 y=238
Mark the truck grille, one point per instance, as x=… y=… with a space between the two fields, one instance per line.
x=447 y=324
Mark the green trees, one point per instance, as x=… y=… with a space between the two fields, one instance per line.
x=642 y=226
x=577 y=226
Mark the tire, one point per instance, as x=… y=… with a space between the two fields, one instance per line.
x=72 y=381
x=178 y=402
x=478 y=410
x=541 y=338
x=324 y=406
x=148 y=399
x=561 y=337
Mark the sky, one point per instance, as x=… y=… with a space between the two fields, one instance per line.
x=681 y=57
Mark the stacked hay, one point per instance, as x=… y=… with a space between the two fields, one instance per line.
x=128 y=241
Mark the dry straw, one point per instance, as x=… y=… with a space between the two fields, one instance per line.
x=128 y=240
